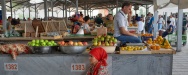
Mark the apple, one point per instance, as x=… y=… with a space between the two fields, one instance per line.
x=52 y=41
x=54 y=44
x=46 y=41
x=49 y=43
x=75 y=44
x=110 y=41
x=115 y=40
x=108 y=36
x=99 y=44
x=32 y=44
x=43 y=44
x=99 y=36
x=107 y=39
x=102 y=38
x=103 y=44
x=66 y=44
x=41 y=40
x=95 y=44
x=95 y=40
x=71 y=43
x=33 y=41
x=107 y=44
x=37 y=41
x=111 y=44
x=85 y=43
x=80 y=44
x=62 y=43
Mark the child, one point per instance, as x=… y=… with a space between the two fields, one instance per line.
x=86 y=25
x=98 y=64
x=169 y=30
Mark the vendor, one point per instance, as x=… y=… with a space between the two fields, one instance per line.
x=8 y=27
x=98 y=64
x=109 y=23
x=121 y=23
x=169 y=30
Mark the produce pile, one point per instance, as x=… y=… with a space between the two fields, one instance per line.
x=42 y=43
x=71 y=43
x=104 y=40
x=14 y=49
x=133 y=48
x=158 y=43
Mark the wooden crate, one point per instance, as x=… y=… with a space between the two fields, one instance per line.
x=28 y=34
x=33 y=34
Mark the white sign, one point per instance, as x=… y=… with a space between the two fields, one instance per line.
x=11 y=66
x=78 y=67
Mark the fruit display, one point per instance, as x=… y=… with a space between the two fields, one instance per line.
x=133 y=25
x=155 y=47
x=14 y=49
x=158 y=43
x=71 y=43
x=42 y=43
x=133 y=48
x=104 y=40
x=147 y=35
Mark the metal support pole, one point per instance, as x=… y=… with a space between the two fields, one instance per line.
x=29 y=12
x=11 y=7
x=166 y=20
x=14 y=13
x=179 y=28
x=147 y=9
x=85 y=9
x=77 y=7
x=45 y=10
x=90 y=12
x=63 y=10
x=117 y=6
x=52 y=7
x=155 y=24
x=4 y=18
x=66 y=11
x=23 y=13
x=35 y=10
x=69 y=12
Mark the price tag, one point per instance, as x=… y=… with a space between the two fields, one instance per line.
x=11 y=66
x=78 y=67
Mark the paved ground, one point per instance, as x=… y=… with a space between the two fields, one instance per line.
x=180 y=62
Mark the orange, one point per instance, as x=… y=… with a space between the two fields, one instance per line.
x=158 y=47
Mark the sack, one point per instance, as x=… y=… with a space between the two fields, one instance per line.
x=102 y=31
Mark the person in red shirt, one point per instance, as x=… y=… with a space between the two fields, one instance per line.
x=98 y=64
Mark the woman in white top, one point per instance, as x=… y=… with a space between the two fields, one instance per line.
x=86 y=27
x=140 y=25
x=160 y=22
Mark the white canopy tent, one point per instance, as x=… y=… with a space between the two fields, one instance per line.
x=182 y=4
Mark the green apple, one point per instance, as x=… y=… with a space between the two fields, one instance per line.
x=33 y=40
x=46 y=41
x=41 y=40
x=107 y=44
x=49 y=43
x=115 y=40
x=54 y=44
x=95 y=44
x=52 y=41
x=110 y=41
x=29 y=43
x=37 y=45
x=37 y=41
x=102 y=38
x=43 y=44
x=108 y=36
x=32 y=44
x=107 y=39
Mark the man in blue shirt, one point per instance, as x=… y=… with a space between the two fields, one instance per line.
x=150 y=24
x=169 y=30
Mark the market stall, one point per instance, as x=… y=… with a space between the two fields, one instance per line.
x=132 y=59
